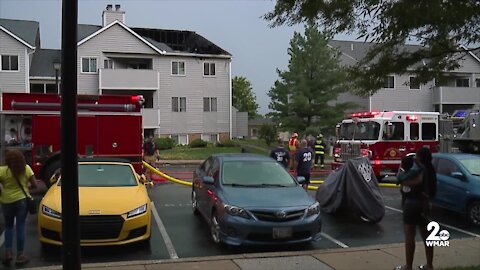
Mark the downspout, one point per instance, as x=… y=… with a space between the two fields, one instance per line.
x=230 y=90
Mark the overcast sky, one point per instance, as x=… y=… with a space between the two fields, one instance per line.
x=234 y=25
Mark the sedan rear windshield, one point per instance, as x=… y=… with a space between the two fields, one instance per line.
x=256 y=173
x=105 y=175
x=472 y=165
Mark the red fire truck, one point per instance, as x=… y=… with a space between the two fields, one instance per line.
x=385 y=138
x=108 y=126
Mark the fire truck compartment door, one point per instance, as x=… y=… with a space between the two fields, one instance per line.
x=119 y=135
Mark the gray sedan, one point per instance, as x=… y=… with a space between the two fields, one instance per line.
x=251 y=199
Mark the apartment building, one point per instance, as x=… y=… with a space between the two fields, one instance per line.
x=184 y=78
x=401 y=92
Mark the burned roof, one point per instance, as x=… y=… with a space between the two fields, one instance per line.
x=165 y=40
x=26 y=30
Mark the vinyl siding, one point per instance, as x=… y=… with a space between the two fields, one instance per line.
x=115 y=39
x=402 y=98
x=13 y=81
x=194 y=86
x=468 y=65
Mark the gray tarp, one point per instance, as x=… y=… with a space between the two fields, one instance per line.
x=353 y=188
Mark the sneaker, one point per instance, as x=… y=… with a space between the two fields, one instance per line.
x=22 y=260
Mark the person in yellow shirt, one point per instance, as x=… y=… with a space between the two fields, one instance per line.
x=14 y=202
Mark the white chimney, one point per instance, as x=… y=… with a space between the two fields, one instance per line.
x=109 y=15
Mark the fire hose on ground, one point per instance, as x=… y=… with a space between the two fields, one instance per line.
x=187 y=183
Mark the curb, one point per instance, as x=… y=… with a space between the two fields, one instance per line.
x=244 y=256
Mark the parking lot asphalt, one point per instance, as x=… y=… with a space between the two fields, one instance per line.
x=176 y=232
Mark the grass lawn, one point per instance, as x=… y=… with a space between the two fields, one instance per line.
x=182 y=153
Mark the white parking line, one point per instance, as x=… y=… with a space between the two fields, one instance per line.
x=333 y=240
x=443 y=224
x=163 y=231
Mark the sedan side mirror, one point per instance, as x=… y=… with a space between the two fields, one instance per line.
x=208 y=180
x=458 y=175
x=301 y=180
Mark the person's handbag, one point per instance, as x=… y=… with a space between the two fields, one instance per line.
x=31 y=205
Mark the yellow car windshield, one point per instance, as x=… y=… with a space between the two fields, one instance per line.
x=105 y=175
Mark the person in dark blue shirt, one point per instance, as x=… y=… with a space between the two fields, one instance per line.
x=304 y=161
x=280 y=154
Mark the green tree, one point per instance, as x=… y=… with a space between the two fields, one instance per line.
x=269 y=133
x=243 y=97
x=305 y=94
x=439 y=26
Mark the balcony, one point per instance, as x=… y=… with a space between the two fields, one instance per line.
x=151 y=118
x=128 y=79
x=456 y=95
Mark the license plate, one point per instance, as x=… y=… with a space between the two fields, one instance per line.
x=279 y=233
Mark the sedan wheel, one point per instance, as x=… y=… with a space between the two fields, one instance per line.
x=194 y=203
x=474 y=213
x=215 y=229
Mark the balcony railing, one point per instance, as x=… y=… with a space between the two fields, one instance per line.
x=128 y=79
x=456 y=95
x=151 y=118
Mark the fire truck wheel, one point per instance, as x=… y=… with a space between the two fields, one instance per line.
x=51 y=169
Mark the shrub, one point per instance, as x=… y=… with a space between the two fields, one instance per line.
x=268 y=133
x=198 y=143
x=227 y=143
x=164 y=143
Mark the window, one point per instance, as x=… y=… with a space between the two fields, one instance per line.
x=89 y=65
x=108 y=64
x=477 y=82
x=181 y=139
x=43 y=88
x=210 y=137
x=414 y=131
x=397 y=131
x=446 y=167
x=429 y=131
x=209 y=69
x=389 y=82
x=179 y=104
x=9 y=62
x=462 y=82
x=178 y=68
x=209 y=104
x=414 y=84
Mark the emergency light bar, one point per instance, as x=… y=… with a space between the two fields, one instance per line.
x=365 y=114
x=412 y=118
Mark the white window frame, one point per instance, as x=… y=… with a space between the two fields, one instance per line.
x=108 y=60
x=410 y=83
x=209 y=63
x=210 y=102
x=463 y=79
x=179 y=104
x=178 y=138
x=89 y=72
x=10 y=70
x=390 y=88
x=178 y=68
x=209 y=136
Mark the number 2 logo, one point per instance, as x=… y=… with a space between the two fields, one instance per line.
x=434 y=235
x=307 y=157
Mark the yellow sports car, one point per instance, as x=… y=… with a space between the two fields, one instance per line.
x=114 y=206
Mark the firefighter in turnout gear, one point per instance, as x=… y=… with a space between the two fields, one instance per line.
x=320 y=151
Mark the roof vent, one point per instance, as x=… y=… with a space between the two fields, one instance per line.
x=351 y=46
x=117 y=7
x=109 y=7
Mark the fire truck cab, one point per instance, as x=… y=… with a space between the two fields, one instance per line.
x=385 y=138
x=108 y=126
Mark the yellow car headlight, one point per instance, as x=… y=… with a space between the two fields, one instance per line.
x=137 y=211
x=50 y=212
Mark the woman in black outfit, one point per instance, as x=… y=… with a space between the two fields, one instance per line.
x=415 y=203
